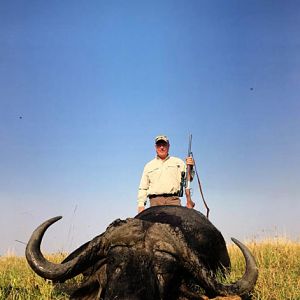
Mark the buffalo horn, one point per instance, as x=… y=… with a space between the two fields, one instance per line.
x=65 y=270
x=241 y=287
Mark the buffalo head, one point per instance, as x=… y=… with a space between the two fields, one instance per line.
x=165 y=252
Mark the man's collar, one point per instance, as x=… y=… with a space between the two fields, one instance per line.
x=168 y=156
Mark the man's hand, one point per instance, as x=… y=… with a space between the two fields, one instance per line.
x=141 y=208
x=190 y=161
x=190 y=204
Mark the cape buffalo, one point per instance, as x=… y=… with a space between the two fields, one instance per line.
x=165 y=252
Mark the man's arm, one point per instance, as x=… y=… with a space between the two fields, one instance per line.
x=190 y=161
x=189 y=169
x=142 y=192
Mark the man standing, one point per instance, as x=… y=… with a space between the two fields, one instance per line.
x=161 y=177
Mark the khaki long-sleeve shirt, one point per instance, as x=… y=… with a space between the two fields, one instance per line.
x=160 y=177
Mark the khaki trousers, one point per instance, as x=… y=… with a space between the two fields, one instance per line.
x=172 y=200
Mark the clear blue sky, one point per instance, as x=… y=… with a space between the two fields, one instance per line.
x=85 y=86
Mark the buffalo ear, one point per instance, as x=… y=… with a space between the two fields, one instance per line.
x=87 y=291
x=94 y=287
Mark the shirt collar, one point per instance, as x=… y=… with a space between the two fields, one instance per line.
x=158 y=158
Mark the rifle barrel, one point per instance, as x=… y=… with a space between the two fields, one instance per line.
x=190 y=145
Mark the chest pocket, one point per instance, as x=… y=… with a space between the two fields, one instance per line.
x=153 y=174
x=173 y=170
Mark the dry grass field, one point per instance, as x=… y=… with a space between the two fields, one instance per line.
x=279 y=268
x=278 y=261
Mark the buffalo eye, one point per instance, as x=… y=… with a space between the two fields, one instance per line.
x=118 y=271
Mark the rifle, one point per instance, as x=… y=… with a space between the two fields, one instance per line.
x=189 y=201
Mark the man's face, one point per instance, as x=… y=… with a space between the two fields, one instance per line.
x=162 y=149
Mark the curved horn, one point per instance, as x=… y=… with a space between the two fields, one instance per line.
x=66 y=270
x=246 y=284
x=241 y=287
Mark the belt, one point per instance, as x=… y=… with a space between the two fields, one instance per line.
x=163 y=195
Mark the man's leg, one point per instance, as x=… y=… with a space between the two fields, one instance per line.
x=173 y=201
x=157 y=201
